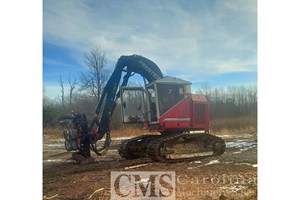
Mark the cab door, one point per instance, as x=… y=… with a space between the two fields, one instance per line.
x=132 y=104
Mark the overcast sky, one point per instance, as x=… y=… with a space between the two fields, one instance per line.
x=212 y=42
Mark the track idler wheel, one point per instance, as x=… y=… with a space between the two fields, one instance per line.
x=136 y=147
x=219 y=147
x=125 y=152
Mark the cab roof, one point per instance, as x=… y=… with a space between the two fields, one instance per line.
x=172 y=80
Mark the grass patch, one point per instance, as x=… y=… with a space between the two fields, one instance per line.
x=131 y=132
x=218 y=127
x=233 y=125
x=52 y=134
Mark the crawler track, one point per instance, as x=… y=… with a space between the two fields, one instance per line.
x=135 y=147
x=174 y=147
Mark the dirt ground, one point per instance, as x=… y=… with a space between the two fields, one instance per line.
x=232 y=175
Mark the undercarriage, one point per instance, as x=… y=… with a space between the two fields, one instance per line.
x=172 y=147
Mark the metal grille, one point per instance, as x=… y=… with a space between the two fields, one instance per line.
x=199 y=113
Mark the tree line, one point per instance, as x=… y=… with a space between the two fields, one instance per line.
x=232 y=101
x=82 y=96
x=225 y=102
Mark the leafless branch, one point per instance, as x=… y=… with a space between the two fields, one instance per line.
x=62 y=90
x=95 y=78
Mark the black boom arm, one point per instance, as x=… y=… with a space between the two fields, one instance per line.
x=107 y=103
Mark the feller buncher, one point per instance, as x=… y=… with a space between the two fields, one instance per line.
x=165 y=105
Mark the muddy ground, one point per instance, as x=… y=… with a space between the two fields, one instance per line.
x=232 y=175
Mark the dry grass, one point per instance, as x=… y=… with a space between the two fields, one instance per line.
x=233 y=125
x=249 y=129
x=52 y=131
x=52 y=134
x=130 y=132
x=56 y=134
x=218 y=126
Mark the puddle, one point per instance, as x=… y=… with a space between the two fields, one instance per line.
x=212 y=162
x=59 y=161
x=242 y=135
x=241 y=144
x=196 y=162
x=249 y=164
x=60 y=145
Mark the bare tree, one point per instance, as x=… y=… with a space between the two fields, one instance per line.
x=93 y=81
x=233 y=101
x=204 y=88
x=72 y=85
x=62 y=90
